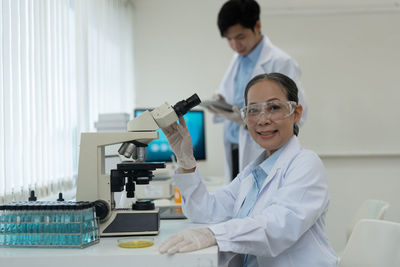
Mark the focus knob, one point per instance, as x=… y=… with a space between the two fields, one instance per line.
x=102 y=209
x=143 y=205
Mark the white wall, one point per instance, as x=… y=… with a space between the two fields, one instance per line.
x=179 y=52
x=350 y=60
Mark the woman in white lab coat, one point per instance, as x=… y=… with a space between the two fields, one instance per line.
x=273 y=212
x=271 y=59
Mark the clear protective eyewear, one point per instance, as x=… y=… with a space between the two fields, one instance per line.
x=273 y=110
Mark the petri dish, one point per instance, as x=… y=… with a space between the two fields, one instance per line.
x=139 y=242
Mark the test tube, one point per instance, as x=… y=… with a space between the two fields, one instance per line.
x=68 y=227
x=35 y=225
x=18 y=236
x=2 y=224
x=57 y=238
x=13 y=224
x=85 y=223
x=46 y=225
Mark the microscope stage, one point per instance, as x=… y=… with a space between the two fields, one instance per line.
x=130 y=165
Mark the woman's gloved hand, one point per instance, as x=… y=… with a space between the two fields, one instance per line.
x=181 y=144
x=188 y=240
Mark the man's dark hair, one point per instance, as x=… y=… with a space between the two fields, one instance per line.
x=288 y=85
x=243 y=12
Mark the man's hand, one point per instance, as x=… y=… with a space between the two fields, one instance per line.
x=233 y=116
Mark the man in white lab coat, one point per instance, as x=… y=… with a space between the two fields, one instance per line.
x=239 y=22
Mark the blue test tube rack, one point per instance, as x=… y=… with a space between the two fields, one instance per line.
x=60 y=224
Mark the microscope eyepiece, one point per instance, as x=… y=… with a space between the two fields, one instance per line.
x=182 y=107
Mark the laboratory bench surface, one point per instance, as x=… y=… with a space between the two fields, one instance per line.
x=107 y=253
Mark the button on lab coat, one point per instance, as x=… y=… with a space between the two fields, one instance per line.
x=271 y=59
x=286 y=225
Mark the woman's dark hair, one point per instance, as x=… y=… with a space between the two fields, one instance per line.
x=289 y=86
x=243 y=12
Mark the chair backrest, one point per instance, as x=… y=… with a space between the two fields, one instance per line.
x=369 y=209
x=374 y=243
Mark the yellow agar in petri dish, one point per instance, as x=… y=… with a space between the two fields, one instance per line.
x=135 y=244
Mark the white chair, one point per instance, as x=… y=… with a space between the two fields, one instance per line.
x=373 y=243
x=369 y=209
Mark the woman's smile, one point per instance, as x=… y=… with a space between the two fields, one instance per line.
x=267 y=134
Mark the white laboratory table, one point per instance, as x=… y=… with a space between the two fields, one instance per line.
x=107 y=253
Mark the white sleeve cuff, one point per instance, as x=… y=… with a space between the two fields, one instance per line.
x=186 y=180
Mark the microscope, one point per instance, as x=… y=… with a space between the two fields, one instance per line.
x=95 y=185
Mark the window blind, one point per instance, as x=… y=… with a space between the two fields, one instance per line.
x=62 y=63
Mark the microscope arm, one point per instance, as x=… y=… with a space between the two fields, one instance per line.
x=161 y=117
x=93 y=183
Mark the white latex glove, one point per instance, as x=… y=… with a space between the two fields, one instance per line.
x=188 y=240
x=232 y=116
x=181 y=143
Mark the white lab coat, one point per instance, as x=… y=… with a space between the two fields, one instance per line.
x=286 y=225
x=271 y=59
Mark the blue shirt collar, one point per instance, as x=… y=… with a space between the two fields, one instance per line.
x=263 y=165
x=269 y=162
x=254 y=55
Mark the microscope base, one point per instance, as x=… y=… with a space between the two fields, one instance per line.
x=126 y=222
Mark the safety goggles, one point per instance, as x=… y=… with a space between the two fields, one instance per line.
x=273 y=110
